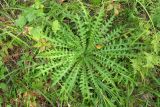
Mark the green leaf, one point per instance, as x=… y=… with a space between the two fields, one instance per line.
x=9 y=106
x=96 y=2
x=38 y=4
x=55 y=26
x=3 y=86
x=21 y=21
x=155 y=43
x=36 y=33
x=1 y=101
x=151 y=60
x=33 y=14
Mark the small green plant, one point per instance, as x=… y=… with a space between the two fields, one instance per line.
x=66 y=53
x=86 y=55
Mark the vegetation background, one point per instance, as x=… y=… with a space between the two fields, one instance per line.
x=79 y=53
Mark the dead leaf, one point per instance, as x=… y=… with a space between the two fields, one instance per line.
x=109 y=7
x=60 y=1
x=116 y=12
x=98 y=46
x=3 y=19
x=26 y=30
